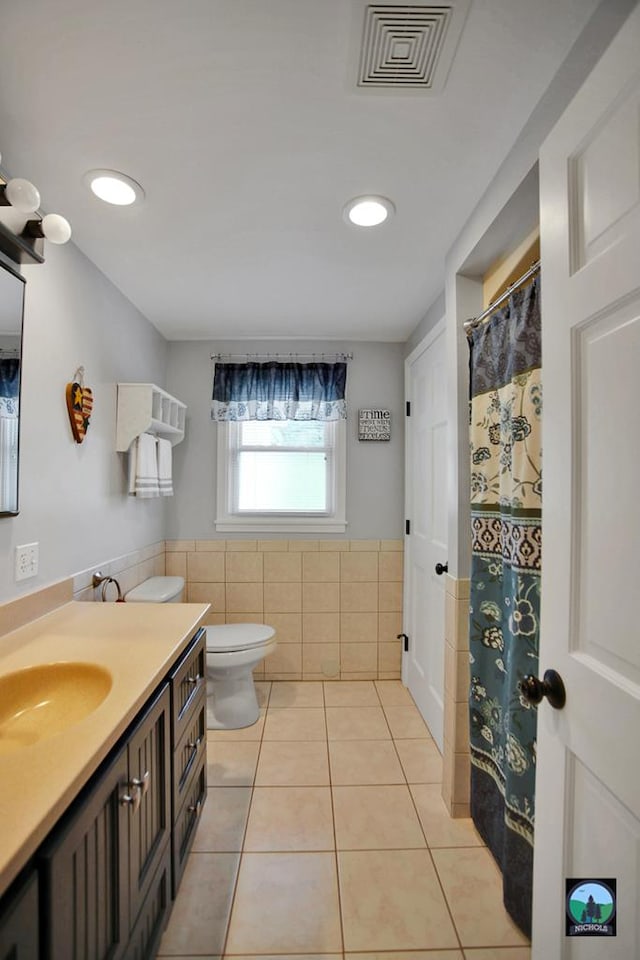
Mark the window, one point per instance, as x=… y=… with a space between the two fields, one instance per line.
x=281 y=476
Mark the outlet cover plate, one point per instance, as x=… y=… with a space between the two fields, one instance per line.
x=27 y=559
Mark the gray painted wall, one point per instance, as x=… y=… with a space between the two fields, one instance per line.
x=72 y=496
x=375 y=470
x=434 y=314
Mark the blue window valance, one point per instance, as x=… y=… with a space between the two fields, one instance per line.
x=279 y=391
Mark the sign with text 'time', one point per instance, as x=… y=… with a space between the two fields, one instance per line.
x=374 y=424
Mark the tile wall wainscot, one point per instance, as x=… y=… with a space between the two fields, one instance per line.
x=456 y=771
x=129 y=569
x=336 y=605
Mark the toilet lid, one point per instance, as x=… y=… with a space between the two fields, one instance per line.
x=237 y=636
x=156 y=590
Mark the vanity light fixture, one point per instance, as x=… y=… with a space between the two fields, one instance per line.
x=368 y=211
x=52 y=226
x=22 y=195
x=113 y=187
x=20 y=234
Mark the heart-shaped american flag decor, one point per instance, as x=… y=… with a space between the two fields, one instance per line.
x=79 y=405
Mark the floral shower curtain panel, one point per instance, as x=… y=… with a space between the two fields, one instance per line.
x=279 y=391
x=506 y=499
x=9 y=386
x=9 y=401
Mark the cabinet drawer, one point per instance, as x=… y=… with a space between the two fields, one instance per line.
x=188 y=753
x=187 y=821
x=187 y=682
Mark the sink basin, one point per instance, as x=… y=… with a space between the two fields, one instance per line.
x=39 y=702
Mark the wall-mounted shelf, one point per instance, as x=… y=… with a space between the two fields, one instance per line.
x=145 y=408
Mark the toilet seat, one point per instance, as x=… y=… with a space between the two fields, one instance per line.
x=230 y=637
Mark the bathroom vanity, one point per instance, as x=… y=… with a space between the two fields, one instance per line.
x=95 y=832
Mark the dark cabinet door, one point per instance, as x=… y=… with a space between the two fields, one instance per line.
x=19 y=922
x=103 y=864
x=84 y=873
x=150 y=816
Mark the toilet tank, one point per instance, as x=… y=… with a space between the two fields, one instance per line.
x=157 y=590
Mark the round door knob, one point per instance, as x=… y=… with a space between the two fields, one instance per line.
x=551 y=686
x=441 y=568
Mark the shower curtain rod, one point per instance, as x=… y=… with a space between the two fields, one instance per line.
x=285 y=357
x=476 y=321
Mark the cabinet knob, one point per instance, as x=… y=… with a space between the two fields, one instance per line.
x=142 y=784
x=132 y=799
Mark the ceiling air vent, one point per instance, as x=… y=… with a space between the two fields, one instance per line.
x=409 y=46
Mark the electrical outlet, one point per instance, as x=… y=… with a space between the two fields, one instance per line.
x=27 y=560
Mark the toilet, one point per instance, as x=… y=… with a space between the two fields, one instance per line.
x=233 y=650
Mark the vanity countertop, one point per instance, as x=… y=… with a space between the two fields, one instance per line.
x=136 y=643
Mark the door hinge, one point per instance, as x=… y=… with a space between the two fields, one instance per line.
x=405 y=641
x=407 y=527
x=408 y=408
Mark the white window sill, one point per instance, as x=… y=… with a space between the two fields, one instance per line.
x=282 y=526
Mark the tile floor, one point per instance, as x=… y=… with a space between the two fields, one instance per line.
x=324 y=837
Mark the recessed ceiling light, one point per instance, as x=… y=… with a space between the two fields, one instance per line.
x=114 y=187
x=368 y=211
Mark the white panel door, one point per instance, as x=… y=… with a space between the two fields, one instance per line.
x=426 y=544
x=588 y=778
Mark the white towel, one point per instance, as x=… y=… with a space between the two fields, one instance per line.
x=133 y=456
x=165 y=480
x=143 y=467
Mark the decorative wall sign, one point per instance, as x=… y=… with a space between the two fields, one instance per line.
x=79 y=405
x=374 y=424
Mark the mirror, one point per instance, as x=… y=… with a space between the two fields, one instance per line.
x=11 y=309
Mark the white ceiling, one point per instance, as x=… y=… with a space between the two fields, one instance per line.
x=241 y=120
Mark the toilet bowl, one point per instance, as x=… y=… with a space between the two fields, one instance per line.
x=233 y=650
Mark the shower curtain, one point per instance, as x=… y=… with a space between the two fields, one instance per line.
x=9 y=394
x=506 y=498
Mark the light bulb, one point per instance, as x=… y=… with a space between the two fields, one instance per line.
x=368 y=211
x=22 y=195
x=113 y=191
x=113 y=187
x=56 y=228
